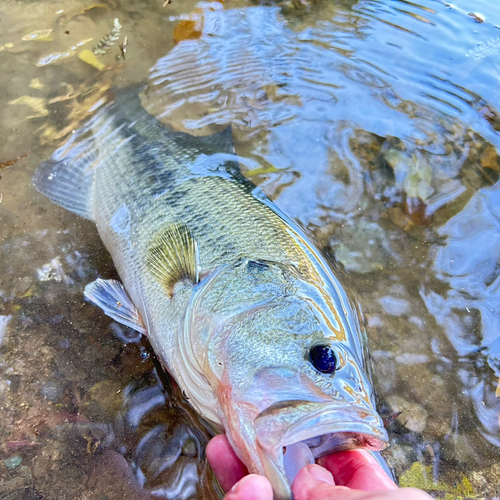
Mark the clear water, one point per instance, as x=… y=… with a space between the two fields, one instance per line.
x=374 y=123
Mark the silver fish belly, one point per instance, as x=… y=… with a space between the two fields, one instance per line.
x=238 y=304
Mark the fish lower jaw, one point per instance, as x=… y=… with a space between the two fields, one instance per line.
x=291 y=456
x=293 y=434
x=341 y=441
x=298 y=455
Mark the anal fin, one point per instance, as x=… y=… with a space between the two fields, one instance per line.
x=112 y=298
x=173 y=256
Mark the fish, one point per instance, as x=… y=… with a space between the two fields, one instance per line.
x=238 y=303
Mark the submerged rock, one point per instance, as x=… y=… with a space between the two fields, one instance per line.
x=487 y=481
x=399 y=457
x=412 y=415
x=395 y=306
x=362 y=246
x=10 y=486
x=384 y=372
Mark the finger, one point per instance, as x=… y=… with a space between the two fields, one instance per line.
x=311 y=478
x=357 y=469
x=226 y=465
x=252 y=487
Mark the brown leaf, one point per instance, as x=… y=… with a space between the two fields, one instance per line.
x=188 y=29
x=8 y=163
x=490 y=159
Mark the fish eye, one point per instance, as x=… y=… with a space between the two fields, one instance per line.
x=323 y=358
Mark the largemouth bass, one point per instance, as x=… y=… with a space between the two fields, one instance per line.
x=238 y=304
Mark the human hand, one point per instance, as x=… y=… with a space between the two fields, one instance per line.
x=346 y=475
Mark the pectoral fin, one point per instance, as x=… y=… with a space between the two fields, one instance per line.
x=173 y=256
x=112 y=298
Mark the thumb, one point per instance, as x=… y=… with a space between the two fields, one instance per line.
x=251 y=487
x=312 y=482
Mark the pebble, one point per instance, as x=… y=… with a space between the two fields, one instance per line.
x=52 y=391
x=394 y=306
x=412 y=359
x=361 y=246
x=25 y=473
x=413 y=416
x=13 y=462
x=400 y=457
x=374 y=321
x=384 y=371
x=487 y=480
x=14 y=484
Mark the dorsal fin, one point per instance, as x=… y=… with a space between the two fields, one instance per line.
x=221 y=142
x=173 y=256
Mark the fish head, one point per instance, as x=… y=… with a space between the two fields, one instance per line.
x=284 y=357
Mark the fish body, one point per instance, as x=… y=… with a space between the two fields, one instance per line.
x=238 y=304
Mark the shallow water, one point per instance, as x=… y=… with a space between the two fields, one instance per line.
x=373 y=123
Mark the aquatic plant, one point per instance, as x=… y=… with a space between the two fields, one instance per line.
x=107 y=41
x=421 y=476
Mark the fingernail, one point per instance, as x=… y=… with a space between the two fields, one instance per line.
x=321 y=474
x=239 y=485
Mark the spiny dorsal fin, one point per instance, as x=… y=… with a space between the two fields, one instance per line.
x=173 y=256
x=112 y=298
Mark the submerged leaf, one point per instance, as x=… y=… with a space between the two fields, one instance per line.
x=95 y=6
x=82 y=103
x=412 y=172
x=57 y=56
x=8 y=163
x=38 y=36
x=490 y=159
x=191 y=28
x=108 y=394
x=35 y=103
x=89 y=57
x=188 y=29
x=36 y=84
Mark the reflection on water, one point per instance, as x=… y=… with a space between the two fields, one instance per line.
x=375 y=123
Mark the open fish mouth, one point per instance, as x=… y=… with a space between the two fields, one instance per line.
x=292 y=434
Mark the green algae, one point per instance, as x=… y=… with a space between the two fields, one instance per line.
x=421 y=476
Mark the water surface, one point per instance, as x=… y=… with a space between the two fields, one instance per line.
x=373 y=123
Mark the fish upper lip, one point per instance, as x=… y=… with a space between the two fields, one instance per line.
x=277 y=426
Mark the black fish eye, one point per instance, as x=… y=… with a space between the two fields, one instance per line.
x=323 y=358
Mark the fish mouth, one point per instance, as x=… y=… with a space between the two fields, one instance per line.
x=292 y=434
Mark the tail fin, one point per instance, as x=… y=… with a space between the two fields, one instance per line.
x=67 y=178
